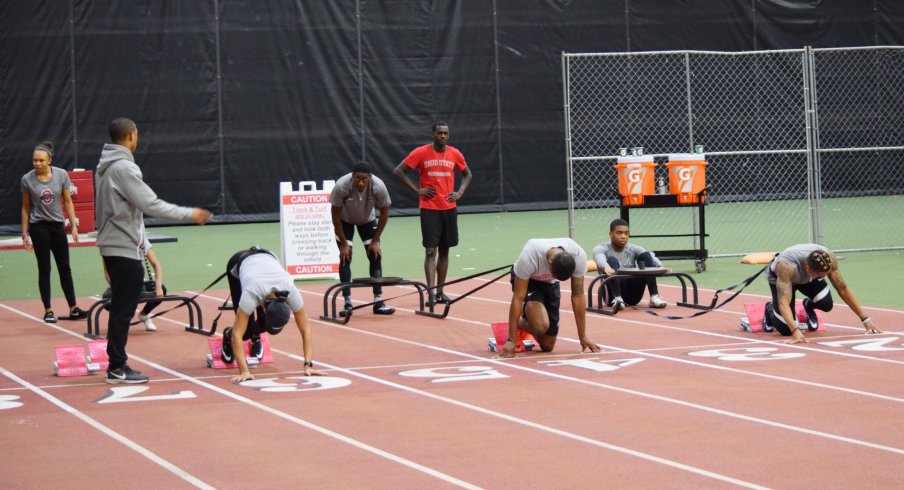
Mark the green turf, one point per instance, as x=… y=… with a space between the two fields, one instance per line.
x=487 y=241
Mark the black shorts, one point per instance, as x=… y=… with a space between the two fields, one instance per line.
x=439 y=228
x=550 y=294
x=365 y=230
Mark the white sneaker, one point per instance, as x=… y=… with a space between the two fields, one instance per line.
x=148 y=323
x=617 y=304
x=657 y=302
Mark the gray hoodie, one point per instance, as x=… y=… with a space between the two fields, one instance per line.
x=122 y=198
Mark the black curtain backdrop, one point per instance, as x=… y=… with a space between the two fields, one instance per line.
x=233 y=97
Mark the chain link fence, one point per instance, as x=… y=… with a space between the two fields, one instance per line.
x=802 y=145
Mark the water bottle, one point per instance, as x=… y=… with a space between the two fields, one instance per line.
x=661 y=187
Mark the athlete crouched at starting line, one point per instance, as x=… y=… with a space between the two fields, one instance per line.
x=536 y=294
x=259 y=284
x=804 y=268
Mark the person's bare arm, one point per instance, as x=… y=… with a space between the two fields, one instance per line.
x=307 y=340
x=579 y=305
x=401 y=173
x=785 y=274
x=381 y=225
x=238 y=347
x=26 y=210
x=847 y=295
x=70 y=211
x=519 y=292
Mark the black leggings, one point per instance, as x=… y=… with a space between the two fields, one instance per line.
x=50 y=237
x=255 y=324
x=816 y=290
x=630 y=288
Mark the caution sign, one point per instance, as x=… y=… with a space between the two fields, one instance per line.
x=307 y=241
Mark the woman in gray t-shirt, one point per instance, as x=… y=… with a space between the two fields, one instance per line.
x=45 y=190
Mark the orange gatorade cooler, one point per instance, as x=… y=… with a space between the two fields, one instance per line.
x=635 y=178
x=687 y=176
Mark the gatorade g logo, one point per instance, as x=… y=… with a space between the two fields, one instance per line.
x=634 y=177
x=686 y=178
x=47 y=197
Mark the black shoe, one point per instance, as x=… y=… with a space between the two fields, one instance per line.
x=431 y=299
x=257 y=349
x=442 y=298
x=766 y=315
x=812 y=319
x=347 y=309
x=49 y=317
x=380 y=308
x=130 y=369
x=226 y=353
x=125 y=375
x=617 y=304
x=76 y=314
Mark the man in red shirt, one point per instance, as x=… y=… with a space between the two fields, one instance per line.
x=436 y=164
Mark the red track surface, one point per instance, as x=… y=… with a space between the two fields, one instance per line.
x=416 y=402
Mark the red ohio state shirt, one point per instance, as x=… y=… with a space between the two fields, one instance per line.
x=437 y=170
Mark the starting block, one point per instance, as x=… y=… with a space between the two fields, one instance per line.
x=71 y=359
x=215 y=358
x=753 y=322
x=525 y=341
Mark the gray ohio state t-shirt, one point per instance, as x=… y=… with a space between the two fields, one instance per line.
x=46 y=197
x=532 y=263
x=358 y=207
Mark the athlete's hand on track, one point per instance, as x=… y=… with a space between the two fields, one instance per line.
x=871 y=327
x=507 y=352
x=309 y=371
x=242 y=377
x=796 y=338
x=589 y=344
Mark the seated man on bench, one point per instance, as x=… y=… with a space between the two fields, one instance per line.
x=619 y=254
x=263 y=298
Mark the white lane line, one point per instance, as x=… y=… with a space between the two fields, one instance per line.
x=537 y=426
x=247 y=401
x=705 y=408
x=134 y=446
x=675 y=401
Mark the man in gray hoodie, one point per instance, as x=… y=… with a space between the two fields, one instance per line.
x=122 y=199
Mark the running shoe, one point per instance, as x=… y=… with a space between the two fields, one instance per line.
x=257 y=348
x=226 y=352
x=148 y=323
x=49 y=317
x=812 y=319
x=380 y=308
x=656 y=301
x=125 y=375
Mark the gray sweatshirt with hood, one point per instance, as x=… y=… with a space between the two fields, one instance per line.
x=122 y=199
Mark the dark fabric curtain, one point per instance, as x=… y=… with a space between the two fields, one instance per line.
x=233 y=97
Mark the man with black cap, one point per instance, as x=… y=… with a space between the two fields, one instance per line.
x=263 y=298
x=354 y=198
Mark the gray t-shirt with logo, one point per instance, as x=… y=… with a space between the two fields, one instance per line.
x=358 y=207
x=532 y=263
x=46 y=197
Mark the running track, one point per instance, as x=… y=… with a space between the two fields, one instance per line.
x=415 y=402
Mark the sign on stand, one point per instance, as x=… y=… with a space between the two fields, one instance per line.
x=308 y=244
